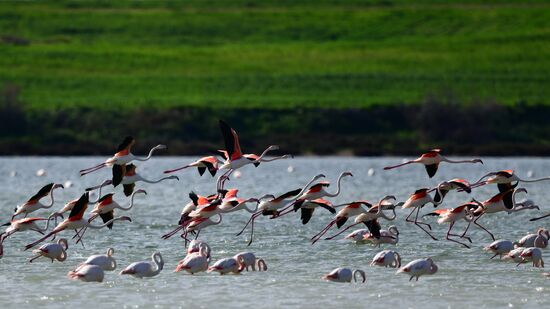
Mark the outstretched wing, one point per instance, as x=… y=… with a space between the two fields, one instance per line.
x=306 y=214
x=106 y=217
x=374 y=228
x=231 y=141
x=41 y=193
x=287 y=195
x=79 y=207
x=128 y=189
x=118 y=173
x=126 y=144
x=432 y=169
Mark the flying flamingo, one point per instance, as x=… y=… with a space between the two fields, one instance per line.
x=451 y=216
x=499 y=247
x=431 y=160
x=236 y=204
x=198 y=224
x=454 y=184
x=419 y=268
x=130 y=179
x=76 y=221
x=20 y=225
x=122 y=157
x=234 y=158
x=269 y=205
x=387 y=258
x=87 y=273
x=227 y=265
x=354 y=209
x=504 y=201
x=249 y=259
x=314 y=192
x=105 y=261
x=53 y=251
x=33 y=204
x=195 y=262
x=209 y=163
x=69 y=205
x=505 y=178
x=389 y=236
x=145 y=268
x=416 y=201
x=344 y=275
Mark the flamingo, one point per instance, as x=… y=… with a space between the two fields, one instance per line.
x=227 y=265
x=514 y=255
x=431 y=160
x=130 y=179
x=533 y=255
x=53 y=251
x=236 y=204
x=202 y=164
x=416 y=201
x=198 y=224
x=87 y=273
x=196 y=245
x=249 y=259
x=539 y=239
x=357 y=235
x=314 y=192
x=69 y=205
x=368 y=217
x=105 y=261
x=33 y=204
x=76 y=221
x=234 y=158
x=20 y=225
x=106 y=206
x=454 y=184
x=122 y=157
x=195 y=262
x=419 y=268
x=505 y=178
x=387 y=258
x=389 y=236
x=499 y=247
x=145 y=268
x=504 y=201
x=451 y=216
x=342 y=274
x=269 y=205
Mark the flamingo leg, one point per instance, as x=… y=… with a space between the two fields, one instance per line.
x=252 y=218
x=448 y=237
x=342 y=231
x=27 y=247
x=538 y=218
x=420 y=226
x=34 y=258
x=251 y=233
x=172 y=233
x=318 y=236
x=486 y=230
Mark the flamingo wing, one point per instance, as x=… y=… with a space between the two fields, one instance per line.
x=106 y=217
x=462 y=184
x=325 y=204
x=287 y=195
x=503 y=187
x=231 y=141
x=118 y=173
x=439 y=197
x=79 y=207
x=306 y=214
x=41 y=193
x=126 y=144
x=128 y=189
x=374 y=228
x=432 y=169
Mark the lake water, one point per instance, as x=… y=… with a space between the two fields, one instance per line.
x=466 y=277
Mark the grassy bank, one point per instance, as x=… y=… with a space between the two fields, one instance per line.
x=273 y=54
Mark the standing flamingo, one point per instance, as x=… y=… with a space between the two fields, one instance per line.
x=344 y=275
x=131 y=177
x=76 y=221
x=33 y=204
x=431 y=160
x=389 y=236
x=122 y=157
x=538 y=239
x=194 y=262
x=202 y=164
x=419 y=268
x=249 y=259
x=87 y=273
x=533 y=255
x=145 y=268
x=105 y=261
x=53 y=251
x=505 y=178
x=499 y=247
x=387 y=258
x=227 y=265
x=234 y=158
x=269 y=205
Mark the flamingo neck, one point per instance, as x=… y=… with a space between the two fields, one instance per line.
x=338 y=186
x=148 y=156
x=131 y=202
x=90 y=225
x=535 y=180
x=268 y=149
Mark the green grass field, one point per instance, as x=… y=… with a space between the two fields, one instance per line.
x=274 y=54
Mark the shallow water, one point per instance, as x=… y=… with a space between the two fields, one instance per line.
x=466 y=277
